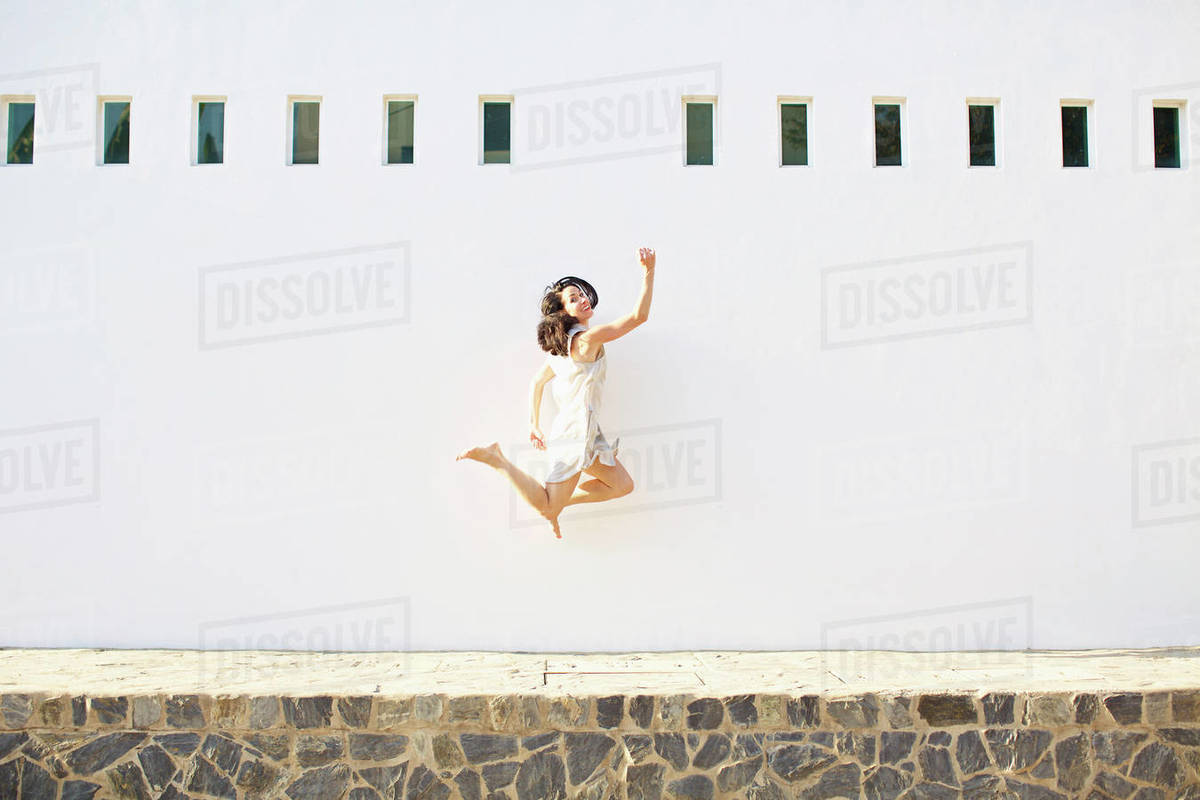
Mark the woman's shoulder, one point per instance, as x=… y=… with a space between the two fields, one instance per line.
x=580 y=347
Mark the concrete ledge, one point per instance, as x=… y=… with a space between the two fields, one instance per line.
x=676 y=726
x=729 y=672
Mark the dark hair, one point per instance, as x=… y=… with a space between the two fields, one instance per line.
x=553 y=331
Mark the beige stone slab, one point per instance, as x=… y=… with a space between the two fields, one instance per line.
x=714 y=673
x=602 y=683
x=623 y=662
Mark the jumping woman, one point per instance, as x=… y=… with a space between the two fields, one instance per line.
x=576 y=364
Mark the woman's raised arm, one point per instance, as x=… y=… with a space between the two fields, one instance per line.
x=623 y=325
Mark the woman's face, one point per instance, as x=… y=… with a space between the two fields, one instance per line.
x=576 y=304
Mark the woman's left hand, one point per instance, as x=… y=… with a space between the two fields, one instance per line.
x=537 y=437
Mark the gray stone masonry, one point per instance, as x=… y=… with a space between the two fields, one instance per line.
x=1131 y=733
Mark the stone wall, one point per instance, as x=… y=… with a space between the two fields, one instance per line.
x=1041 y=746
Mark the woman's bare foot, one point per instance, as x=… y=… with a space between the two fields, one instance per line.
x=554 y=524
x=486 y=454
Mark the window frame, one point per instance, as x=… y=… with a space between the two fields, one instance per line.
x=404 y=98
x=780 y=102
x=197 y=99
x=1089 y=128
x=289 y=144
x=1181 y=131
x=711 y=99
x=489 y=98
x=5 y=101
x=997 y=128
x=905 y=157
x=101 y=101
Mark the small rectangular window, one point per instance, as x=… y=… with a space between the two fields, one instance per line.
x=1166 y=136
x=793 y=134
x=306 y=130
x=981 y=122
x=497 y=132
x=887 y=135
x=399 y=130
x=19 y=145
x=1075 y=136
x=210 y=131
x=114 y=141
x=698 y=130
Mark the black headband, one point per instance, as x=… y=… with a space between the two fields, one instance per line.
x=582 y=285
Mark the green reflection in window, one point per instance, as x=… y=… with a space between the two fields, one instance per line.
x=306 y=121
x=887 y=135
x=210 y=133
x=794 y=132
x=497 y=139
x=400 y=132
x=20 y=133
x=1166 y=137
x=1074 y=136
x=699 y=133
x=116 y=133
x=982 y=125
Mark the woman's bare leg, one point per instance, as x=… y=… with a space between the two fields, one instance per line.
x=546 y=500
x=560 y=494
x=608 y=483
x=593 y=491
x=533 y=492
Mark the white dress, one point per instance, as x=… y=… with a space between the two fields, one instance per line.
x=575 y=439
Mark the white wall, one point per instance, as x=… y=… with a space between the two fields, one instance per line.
x=307 y=484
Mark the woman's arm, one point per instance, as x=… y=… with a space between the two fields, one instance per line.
x=641 y=313
x=543 y=376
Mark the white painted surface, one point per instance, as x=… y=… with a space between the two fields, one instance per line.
x=213 y=491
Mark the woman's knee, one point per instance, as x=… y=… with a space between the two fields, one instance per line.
x=619 y=480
